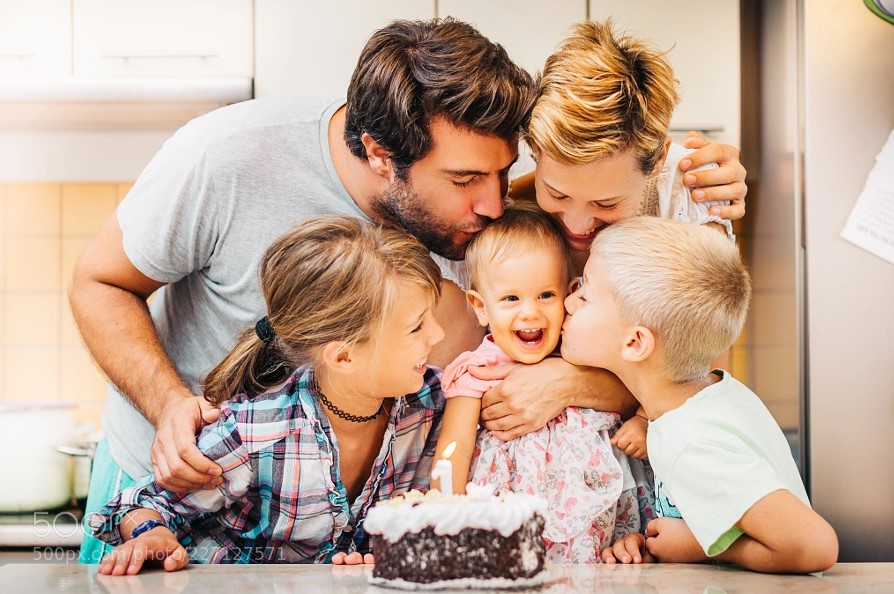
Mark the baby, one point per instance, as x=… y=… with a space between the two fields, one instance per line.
x=519 y=271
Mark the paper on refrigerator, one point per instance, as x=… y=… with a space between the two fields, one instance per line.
x=871 y=223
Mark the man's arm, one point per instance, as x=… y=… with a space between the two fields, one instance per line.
x=459 y=425
x=108 y=299
x=532 y=395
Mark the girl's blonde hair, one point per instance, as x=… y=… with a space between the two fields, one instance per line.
x=332 y=278
x=601 y=95
x=523 y=226
x=684 y=282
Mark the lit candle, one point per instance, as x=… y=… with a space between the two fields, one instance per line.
x=443 y=470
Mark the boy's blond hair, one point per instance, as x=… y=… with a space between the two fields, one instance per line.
x=523 y=226
x=684 y=282
x=600 y=95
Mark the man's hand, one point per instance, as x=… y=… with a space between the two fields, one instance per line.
x=178 y=464
x=630 y=437
x=726 y=182
x=671 y=541
x=532 y=395
x=630 y=549
x=525 y=400
x=354 y=558
x=158 y=544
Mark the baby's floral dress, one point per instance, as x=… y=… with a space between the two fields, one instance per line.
x=596 y=494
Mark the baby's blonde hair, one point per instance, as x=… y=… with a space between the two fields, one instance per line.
x=684 y=282
x=523 y=226
x=600 y=95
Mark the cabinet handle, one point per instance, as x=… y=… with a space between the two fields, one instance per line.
x=126 y=57
x=14 y=56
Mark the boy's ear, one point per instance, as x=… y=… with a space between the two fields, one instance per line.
x=377 y=156
x=639 y=344
x=660 y=163
x=336 y=356
x=477 y=302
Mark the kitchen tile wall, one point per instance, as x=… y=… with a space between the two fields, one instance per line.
x=43 y=230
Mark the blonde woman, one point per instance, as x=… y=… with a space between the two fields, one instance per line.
x=327 y=406
x=599 y=135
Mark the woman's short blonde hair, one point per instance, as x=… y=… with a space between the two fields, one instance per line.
x=603 y=94
x=684 y=282
x=523 y=226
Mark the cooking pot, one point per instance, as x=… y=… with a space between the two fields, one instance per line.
x=82 y=453
x=35 y=476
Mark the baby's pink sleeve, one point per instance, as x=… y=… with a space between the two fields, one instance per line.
x=457 y=381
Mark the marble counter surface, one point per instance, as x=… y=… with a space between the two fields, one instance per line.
x=566 y=579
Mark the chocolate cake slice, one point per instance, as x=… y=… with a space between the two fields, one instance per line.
x=477 y=540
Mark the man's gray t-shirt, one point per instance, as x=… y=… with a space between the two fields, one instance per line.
x=200 y=217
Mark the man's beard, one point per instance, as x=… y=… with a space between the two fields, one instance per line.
x=401 y=206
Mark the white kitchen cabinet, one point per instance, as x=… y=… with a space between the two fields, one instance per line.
x=528 y=29
x=311 y=48
x=137 y=38
x=35 y=37
x=702 y=39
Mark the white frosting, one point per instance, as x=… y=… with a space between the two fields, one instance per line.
x=413 y=512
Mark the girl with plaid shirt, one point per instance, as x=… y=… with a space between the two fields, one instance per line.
x=327 y=406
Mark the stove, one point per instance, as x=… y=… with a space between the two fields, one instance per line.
x=57 y=528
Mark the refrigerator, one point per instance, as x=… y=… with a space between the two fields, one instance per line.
x=818 y=105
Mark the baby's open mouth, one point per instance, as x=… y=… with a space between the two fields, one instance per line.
x=530 y=336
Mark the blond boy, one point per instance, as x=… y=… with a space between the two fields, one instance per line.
x=658 y=302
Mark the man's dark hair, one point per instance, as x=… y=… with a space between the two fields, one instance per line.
x=412 y=72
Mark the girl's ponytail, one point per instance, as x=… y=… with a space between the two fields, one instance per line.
x=251 y=367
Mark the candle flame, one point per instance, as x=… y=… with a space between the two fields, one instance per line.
x=448 y=451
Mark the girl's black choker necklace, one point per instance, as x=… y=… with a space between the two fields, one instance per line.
x=342 y=414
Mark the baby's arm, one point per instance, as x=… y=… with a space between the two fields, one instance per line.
x=630 y=437
x=460 y=424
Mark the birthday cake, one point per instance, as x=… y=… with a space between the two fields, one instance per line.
x=478 y=540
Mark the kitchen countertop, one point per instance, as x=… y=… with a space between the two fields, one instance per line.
x=566 y=579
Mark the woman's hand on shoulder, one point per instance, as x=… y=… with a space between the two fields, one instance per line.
x=156 y=545
x=725 y=182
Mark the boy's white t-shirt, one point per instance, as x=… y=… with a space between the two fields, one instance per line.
x=716 y=456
